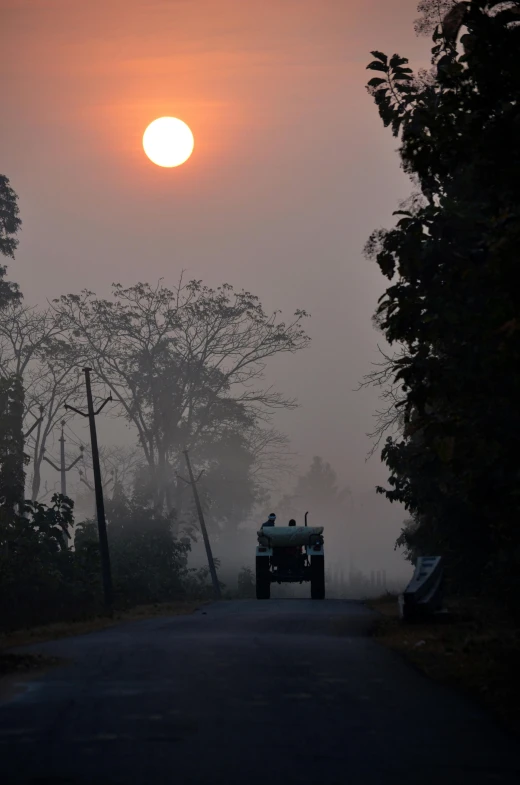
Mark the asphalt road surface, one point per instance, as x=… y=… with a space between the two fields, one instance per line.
x=245 y=693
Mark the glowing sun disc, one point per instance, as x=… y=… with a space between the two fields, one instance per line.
x=168 y=142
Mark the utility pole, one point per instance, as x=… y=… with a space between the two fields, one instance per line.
x=36 y=470
x=211 y=563
x=100 y=506
x=62 y=469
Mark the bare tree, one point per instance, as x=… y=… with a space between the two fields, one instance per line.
x=391 y=418
x=119 y=464
x=32 y=347
x=122 y=462
x=52 y=382
x=24 y=332
x=180 y=362
x=272 y=456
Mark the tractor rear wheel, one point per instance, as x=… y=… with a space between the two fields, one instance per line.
x=263 y=578
x=318 y=577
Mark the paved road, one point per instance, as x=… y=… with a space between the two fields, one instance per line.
x=288 y=692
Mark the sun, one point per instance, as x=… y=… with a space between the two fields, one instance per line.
x=168 y=142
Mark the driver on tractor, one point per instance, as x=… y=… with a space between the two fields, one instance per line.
x=293 y=550
x=270 y=521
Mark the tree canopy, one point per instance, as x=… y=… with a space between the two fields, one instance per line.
x=10 y=224
x=453 y=306
x=184 y=365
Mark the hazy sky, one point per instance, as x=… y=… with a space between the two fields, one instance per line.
x=291 y=170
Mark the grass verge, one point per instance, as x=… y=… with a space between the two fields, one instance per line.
x=476 y=651
x=13 y=662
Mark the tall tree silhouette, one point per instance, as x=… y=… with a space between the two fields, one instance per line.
x=453 y=303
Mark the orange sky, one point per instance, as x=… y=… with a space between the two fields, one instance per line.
x=291 y=170
x=254 y=79
x=102 y=70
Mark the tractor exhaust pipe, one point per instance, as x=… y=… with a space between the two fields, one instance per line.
x=306 y=518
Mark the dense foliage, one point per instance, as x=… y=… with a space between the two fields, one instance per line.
x=42 y=580
x=37 y=579
x=246 y=586
x=454 y=303
x=12 y=456
x=10 y=224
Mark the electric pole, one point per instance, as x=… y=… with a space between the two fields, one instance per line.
x=62 y=469
x=211 y=563
x=100 y=506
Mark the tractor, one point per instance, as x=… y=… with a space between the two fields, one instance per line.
x=290 y=554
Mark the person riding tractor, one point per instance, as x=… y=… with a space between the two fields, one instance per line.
x=270 y=521
x=295 y=550
x=289 y=554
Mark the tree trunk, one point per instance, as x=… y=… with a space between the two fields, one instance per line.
x=36 y=480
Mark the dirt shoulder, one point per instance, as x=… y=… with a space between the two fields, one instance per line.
x=17 y=663
x=476 y=651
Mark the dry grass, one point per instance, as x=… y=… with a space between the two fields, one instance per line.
x=11 y=662
x=477 y=651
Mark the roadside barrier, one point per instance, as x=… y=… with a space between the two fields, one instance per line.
x=422 y=597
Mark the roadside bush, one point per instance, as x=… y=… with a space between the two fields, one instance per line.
x=148 y=564
x=198 y=583
x=42 y=581
x=246 y=583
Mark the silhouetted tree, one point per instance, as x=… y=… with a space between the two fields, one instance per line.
x=183 y=365
x=318 y=492
x=10 y=224
x=453 y=304
x=12 y=456
x=32 y=348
